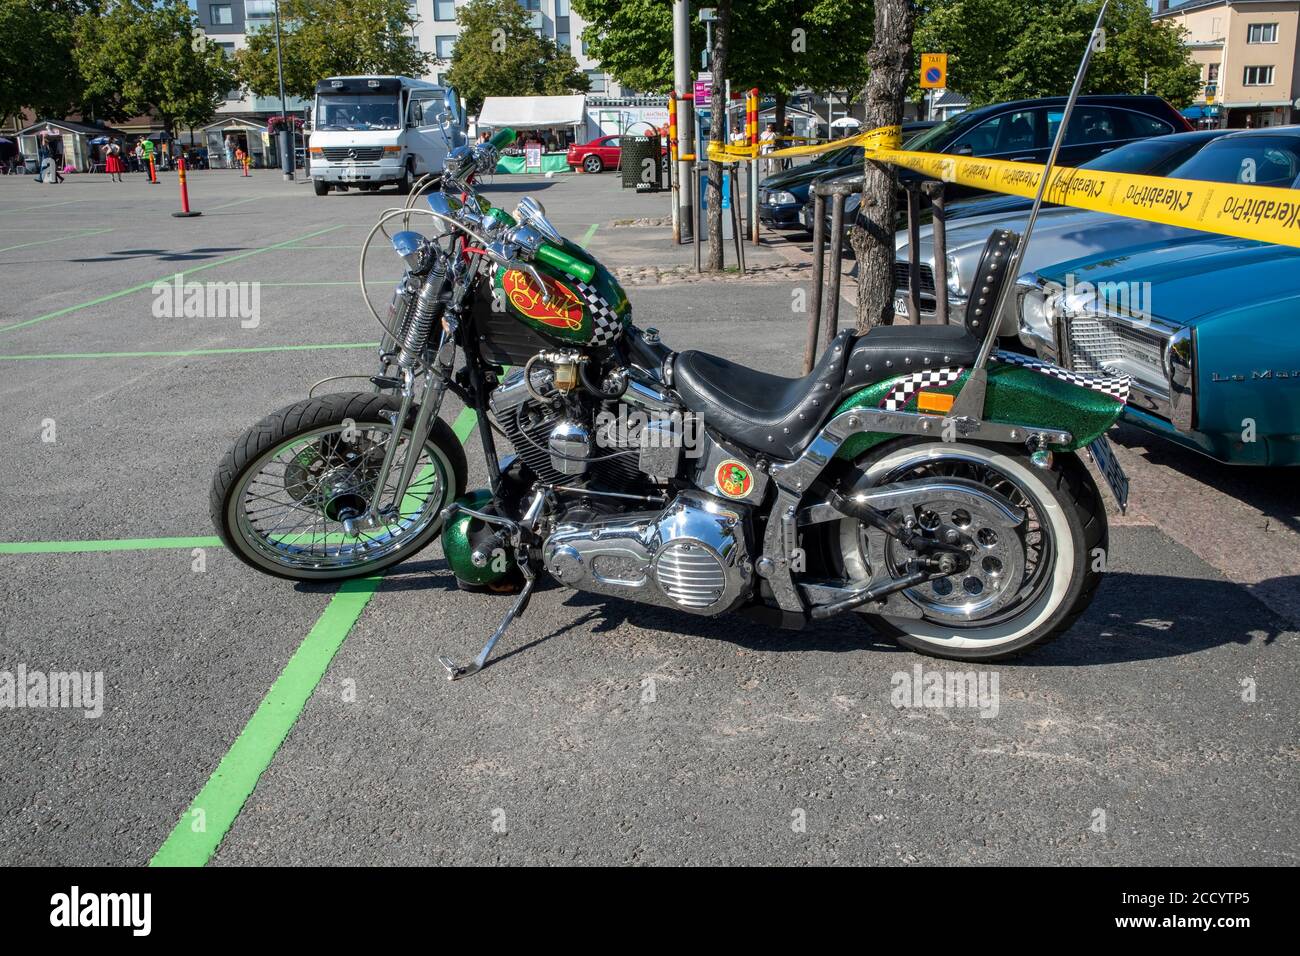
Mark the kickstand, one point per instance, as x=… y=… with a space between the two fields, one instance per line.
x=456 y=671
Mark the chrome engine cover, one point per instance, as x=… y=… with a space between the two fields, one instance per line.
x=694 y=555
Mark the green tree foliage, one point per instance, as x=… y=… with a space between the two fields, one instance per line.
x=1014 y=49
x=776 y=45
x=498 y=54
x=322 y=38
x=137 y=56
x=37 y=70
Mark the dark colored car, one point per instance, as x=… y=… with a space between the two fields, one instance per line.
x=1022 y=131
x=1148 y=157
x=782 y=195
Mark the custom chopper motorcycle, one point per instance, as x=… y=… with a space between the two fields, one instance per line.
x=913 y=477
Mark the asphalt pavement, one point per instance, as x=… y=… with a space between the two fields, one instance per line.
x=1161 y=729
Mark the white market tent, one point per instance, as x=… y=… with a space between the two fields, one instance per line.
x=533 y=112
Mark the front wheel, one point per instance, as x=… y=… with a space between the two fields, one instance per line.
x=1023 y=586
x=593 y=163
x=291 y=496
x=322 y=188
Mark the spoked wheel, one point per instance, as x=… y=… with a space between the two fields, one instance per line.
x=593 y=163
x=293 y=495
x=1023 y=586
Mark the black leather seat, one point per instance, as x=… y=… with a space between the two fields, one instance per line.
x=779 y=416
x=771 y=414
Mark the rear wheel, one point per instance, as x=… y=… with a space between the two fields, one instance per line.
x=1024 y=586
x=290 y=487
x=593 y=163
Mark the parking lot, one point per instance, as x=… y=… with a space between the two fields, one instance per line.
x=1161 y=730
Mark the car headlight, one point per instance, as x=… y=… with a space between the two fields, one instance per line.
x=954 y=279
x=780 y=197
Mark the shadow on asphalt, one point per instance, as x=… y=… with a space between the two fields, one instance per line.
x=1270 y=490
x=163 y=255
x=1135 y=617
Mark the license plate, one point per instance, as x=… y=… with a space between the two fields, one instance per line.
x=1110 y=469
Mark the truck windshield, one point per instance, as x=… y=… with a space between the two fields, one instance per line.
x=356 y=111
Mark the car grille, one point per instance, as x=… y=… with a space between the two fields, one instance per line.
x=902 y=274
x=362 y=154
x=1108 y=345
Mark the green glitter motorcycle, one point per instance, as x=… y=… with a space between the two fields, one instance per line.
x=916 y=476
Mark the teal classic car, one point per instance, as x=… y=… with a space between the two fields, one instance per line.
x=1208 y=329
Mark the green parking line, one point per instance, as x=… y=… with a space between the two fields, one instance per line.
x=211 y=814
x=188 y=352
x=591 y=231
x=237 y=202
x=83 y=234
x=121 y=544
x=167 y=278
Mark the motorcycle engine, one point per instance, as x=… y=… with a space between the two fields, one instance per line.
x=693 y=555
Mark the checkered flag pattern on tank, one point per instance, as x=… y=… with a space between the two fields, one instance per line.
x=1116 y=386
x=606 y=324
x=896 y=398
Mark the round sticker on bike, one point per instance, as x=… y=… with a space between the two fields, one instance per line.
x=733 y=479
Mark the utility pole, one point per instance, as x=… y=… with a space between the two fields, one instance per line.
x=685 y=114
x=286 y=134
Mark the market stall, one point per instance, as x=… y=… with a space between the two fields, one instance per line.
x=545 y=126
x=68 y=141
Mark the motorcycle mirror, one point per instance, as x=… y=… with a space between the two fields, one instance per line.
x=530 y=212
x=455 y=112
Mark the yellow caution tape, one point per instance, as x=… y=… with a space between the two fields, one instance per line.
x=884 y=137
x=1263 y=213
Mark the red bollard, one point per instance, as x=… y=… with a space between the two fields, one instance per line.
x=153 y=172
x=185 y=192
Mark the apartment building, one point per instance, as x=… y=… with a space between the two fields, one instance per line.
x=1247 y=51
x=228 y=23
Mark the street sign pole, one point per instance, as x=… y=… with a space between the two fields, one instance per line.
x=286 y=134
x=685 y=114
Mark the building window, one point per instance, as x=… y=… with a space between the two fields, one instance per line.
x=219 y=14
x=444 y=10
x=1258 y=76
x=1261 y=33
x=531 y=5
x=443 y=47
x=259 y=10
x=561 y=8
x=597 y=79
x=584 y=46
x=563 y=42
x=1212 y=75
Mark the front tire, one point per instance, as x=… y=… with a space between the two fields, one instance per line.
x=322 y=188
x=281 y=494
x=1065 y=539
x=593 y=164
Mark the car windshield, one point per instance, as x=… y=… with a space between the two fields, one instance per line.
x=1261 y=160
x=926 y=141
x=356 y=111
x=1145 y=156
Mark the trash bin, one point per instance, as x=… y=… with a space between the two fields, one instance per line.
x=639 y=157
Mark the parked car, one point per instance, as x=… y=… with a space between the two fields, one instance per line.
x=782 y=195
x=1205 y=326
x=600 y=154
x=1022 y=131
x=1063 y=232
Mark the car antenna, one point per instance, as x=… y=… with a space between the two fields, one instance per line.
x=969 y=403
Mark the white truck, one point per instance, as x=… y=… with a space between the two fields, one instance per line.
x=372 y=131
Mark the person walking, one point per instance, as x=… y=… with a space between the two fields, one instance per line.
x=113 y=164
x=767 y=144
x=138 y=153
x=230 y=150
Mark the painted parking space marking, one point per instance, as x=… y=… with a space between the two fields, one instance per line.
x=82 y=234
x=186 y=353
x=211 y=814
x=170 y=276
x=119 y=544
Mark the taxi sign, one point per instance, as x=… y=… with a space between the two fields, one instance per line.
x=934 y=71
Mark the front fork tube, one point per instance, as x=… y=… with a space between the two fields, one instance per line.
x=435 y=389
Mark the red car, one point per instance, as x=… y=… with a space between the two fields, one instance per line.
x=597 y=156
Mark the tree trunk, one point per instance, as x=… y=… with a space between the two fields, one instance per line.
x=718 y=132
x=890 y=59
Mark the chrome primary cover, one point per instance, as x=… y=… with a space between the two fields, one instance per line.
x=692 y=556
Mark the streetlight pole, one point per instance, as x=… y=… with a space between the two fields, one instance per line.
x=685 y=114
x=286 y=134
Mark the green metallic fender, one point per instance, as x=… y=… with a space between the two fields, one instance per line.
x=1015 y=395
x=458 y=547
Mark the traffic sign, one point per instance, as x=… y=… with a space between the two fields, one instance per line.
x=934 y=71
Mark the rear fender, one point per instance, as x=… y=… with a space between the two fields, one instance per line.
x=1016 y=395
